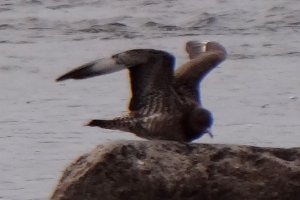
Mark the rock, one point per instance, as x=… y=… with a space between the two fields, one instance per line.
x=148 y=170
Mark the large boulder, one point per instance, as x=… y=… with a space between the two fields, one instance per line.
x=150 y=170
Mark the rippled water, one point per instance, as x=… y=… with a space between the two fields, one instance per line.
x=254 y=95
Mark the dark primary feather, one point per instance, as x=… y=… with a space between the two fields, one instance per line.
x=78 y=73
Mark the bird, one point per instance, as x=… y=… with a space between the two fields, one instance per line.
x=165 y=103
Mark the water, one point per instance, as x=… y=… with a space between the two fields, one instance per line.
x=254 y=95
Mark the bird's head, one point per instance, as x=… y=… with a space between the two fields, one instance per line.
x=200 y=121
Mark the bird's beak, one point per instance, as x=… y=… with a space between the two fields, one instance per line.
x=209 y=132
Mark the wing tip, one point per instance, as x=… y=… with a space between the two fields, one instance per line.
x=69 y=75
x=204 y=46
x=77 y=73
x=61 y=78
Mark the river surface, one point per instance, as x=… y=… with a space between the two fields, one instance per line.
x=254 y=95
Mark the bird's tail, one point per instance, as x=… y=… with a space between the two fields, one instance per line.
x=121 y=123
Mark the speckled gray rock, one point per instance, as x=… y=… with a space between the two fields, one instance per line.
x=148 y=170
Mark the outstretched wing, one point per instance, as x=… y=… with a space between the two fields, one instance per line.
x=204 y=56
x=151 y=75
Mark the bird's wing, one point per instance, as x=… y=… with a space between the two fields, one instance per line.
x=204 y=56
x=151 y=75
